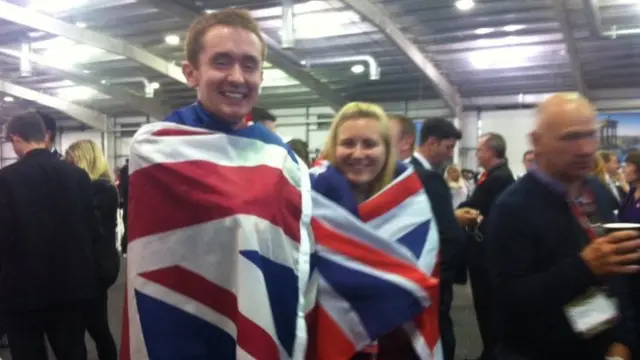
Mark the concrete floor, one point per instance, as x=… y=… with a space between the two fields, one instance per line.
x=469 y=345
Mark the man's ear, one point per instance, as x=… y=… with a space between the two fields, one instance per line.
x=191 y=74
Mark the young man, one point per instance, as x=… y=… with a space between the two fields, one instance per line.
x=47 y=236
x=216 y=270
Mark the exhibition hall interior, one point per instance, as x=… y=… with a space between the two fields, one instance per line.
x=103 y=69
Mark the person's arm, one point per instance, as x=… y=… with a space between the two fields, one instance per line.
x=512 y=249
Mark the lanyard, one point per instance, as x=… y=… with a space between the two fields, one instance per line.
x=580 y=214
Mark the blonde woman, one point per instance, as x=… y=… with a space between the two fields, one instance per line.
x=360 y=163
x=455 y=181
x=87 y=155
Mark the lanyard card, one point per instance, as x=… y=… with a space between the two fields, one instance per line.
x=592 y=313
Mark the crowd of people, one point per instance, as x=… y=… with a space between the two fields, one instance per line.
x=548 y=280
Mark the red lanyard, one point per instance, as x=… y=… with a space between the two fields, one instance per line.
x=482 y=178
x=580 y=214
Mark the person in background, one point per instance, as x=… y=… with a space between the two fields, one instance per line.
x=458 y=186
x=301 y=149
x=123 y=190
x=495 y=179
x=470 y=178
x=600 y=173
x=438 y=138
x=403 y=133
x=550 y=265
x=48 y=230
x=528 y=160
x=612 y=177
x=50 y=125
x=264 y=117
x=86 y=155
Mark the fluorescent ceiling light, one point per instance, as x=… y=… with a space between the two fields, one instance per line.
x=298 y=9
x=172 y=39
x=36 y=34
x=75 y=93
x=511 y=28
x=8 y=99
x=81 y=24
x=483 y=31
x=464 y=4
x=505 y=41
x=500 y=58
x=275 y=77
x=56 y=6
x=334 y=23
x=358 y=68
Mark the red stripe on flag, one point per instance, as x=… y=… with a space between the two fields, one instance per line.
x=251 y=337
x=390 y=198
x=179 y=132
x=369 y=255
x=170 y=196
x=327 y=340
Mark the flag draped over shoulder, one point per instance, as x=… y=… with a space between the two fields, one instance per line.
x=232 y=255
x=219 y=253
x=376 y=268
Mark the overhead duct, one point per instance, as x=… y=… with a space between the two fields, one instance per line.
x=149 y=87
x=374 y=69
x=595 y=22
x=26 y=67
x=288 y=32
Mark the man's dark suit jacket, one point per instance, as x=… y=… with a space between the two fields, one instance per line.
x=47 y=232
x=498 y=179
x=449 y=230
x=534 y=242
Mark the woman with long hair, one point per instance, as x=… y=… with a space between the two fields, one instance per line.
x=88 y=156
x=457 y=184
x=360 y=164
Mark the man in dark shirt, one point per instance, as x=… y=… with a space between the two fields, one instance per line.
x=48 y=231
x=548 y=262
x=496 y=178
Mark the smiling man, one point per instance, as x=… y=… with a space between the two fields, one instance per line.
x=225 y=52
x=217 y=266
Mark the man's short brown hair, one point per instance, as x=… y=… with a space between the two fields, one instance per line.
x=407 y=125
x=239 y=18
x=28 y=126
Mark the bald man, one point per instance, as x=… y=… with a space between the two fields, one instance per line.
x=549 y=264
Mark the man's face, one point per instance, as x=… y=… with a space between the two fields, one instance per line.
x=441 y=150
x=484 y=154
x=229 y=72
x=529 y=161
x=569 y=145
x=403 y=144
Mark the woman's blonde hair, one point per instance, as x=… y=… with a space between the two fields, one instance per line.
x=87 y=155
x=598 y=168
x=460 y=181
x=359 y=110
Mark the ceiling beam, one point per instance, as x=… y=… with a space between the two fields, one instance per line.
x=89 y=117
x=39 y=21
x=147 y=106
x=380 y=18
x=275 y=55
x=560 y=9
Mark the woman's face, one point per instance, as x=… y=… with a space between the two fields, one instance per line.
x=360 y=150
x=630 y=171
x=454 y=174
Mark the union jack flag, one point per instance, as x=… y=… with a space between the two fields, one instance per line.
x=222 y=261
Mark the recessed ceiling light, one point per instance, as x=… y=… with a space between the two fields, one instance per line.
x=464 y=4
x=513 y=28
x=8 y=99
x=358 y=68
x=172 y=39
x=209 y=11
x=483 y=31
x=81 y=24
